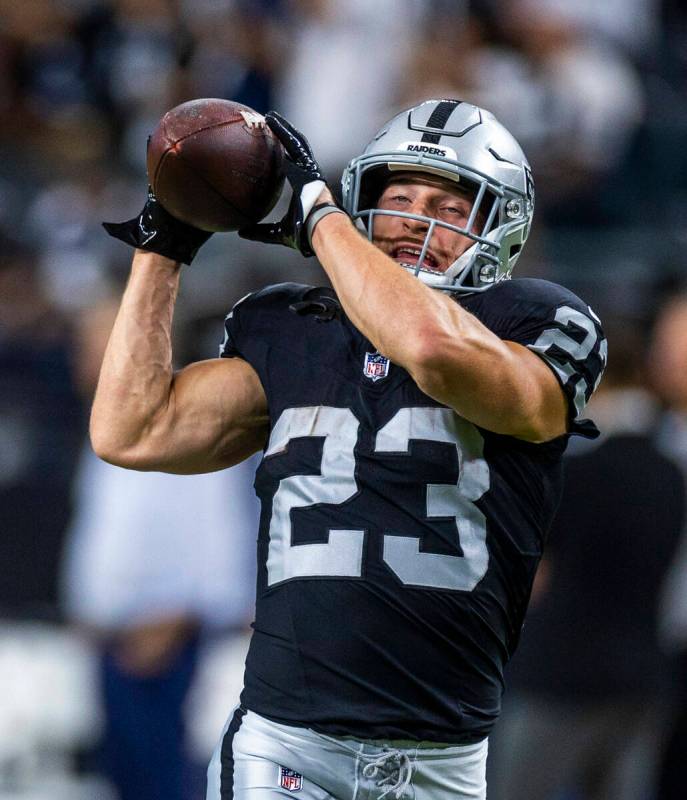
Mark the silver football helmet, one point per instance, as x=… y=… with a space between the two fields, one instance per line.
x=466 y=144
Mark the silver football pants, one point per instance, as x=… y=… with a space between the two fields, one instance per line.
x=257 y=759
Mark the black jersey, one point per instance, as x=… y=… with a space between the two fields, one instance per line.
x=398 y=541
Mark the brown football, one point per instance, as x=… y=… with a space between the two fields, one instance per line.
x=215 y=164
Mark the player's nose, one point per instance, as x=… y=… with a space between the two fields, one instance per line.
x=420 y=209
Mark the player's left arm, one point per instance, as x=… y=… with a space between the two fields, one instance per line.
x=499 y=385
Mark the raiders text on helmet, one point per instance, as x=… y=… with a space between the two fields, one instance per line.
x=463 y=143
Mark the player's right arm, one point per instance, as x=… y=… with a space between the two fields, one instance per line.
x=209 y=415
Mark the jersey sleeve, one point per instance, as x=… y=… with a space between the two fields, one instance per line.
x=259 y=317
x=573 y=345
x=561 y=329
x=232 y=330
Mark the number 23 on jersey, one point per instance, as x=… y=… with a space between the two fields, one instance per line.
x=342 y=554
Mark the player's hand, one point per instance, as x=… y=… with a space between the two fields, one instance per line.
x=307 y=183
x=156 y=230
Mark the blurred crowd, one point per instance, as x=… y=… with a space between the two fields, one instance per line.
x=597 y=95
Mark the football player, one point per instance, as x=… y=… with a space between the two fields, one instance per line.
x=412 y=421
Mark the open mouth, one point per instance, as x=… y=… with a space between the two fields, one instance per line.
x=409 y=256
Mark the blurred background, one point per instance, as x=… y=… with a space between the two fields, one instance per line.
x=125 y=599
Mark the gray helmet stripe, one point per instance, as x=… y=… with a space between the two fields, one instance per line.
x=438 y=119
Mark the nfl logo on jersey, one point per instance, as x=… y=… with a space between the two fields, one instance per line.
x=376 y=366
x=290 y=780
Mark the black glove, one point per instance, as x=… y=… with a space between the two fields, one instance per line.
x=157 y=230
x=306 y=179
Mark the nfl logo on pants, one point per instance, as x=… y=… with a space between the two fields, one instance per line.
x=290 y=779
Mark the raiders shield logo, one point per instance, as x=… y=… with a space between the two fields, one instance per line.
x=376 y=366
x=290 y=780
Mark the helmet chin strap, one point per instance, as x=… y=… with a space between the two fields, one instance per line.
x=461 y=264
x=447 y=278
